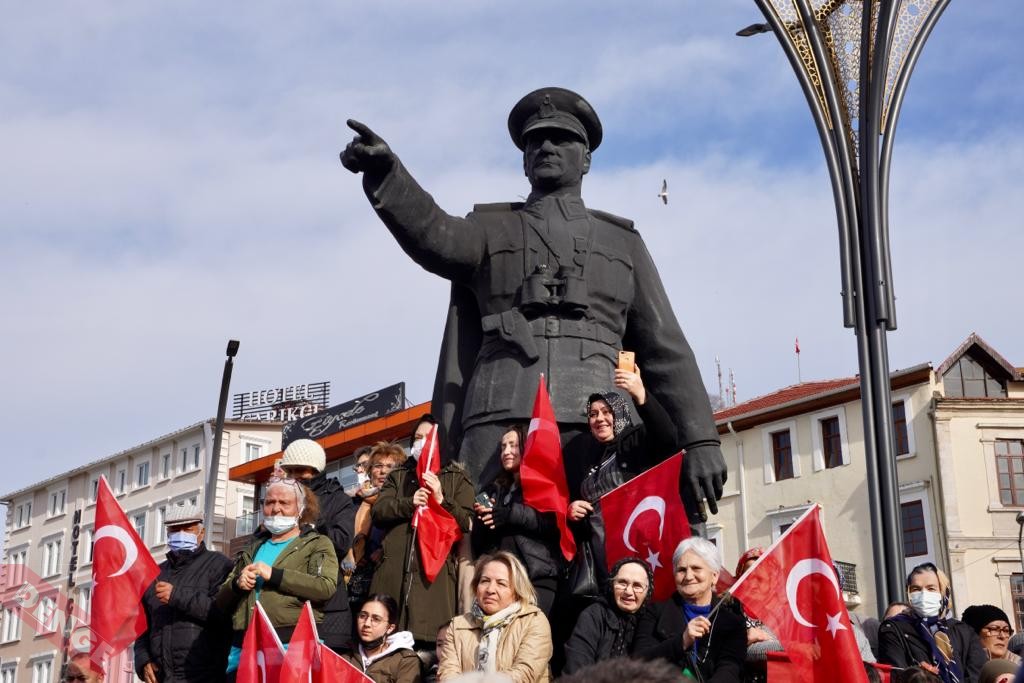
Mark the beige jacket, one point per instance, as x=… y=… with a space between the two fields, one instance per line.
x=524 y=648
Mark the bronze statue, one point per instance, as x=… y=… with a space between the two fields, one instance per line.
x=546 y=286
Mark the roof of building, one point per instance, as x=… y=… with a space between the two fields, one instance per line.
x=794 y=392
x=975 y=341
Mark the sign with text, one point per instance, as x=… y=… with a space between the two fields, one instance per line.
x=283 y=404
x=349 y=414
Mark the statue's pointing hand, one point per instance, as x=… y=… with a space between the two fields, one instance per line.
x=367 y=153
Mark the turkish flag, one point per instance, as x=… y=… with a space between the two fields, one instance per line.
x=308 y=661
x=645 y=517
x=542 y=473
x=122 y=570
x=793 y=589
x=437 y=533
x=262 y=659
x=429 y=461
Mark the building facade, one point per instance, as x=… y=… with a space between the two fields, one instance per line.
x=40 y=546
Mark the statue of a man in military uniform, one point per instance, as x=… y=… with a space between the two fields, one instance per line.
x=545 y=286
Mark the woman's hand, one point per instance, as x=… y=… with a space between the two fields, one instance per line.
x=433 y=484
x=262 y=570
x=697 y=628
x=756 y=635
x=419 y=499
x=578 y=509
x=485 y=515
x=631 y=382
x=247 y=578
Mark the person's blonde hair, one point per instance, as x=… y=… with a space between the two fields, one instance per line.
x=387 y=449
x=522 y=587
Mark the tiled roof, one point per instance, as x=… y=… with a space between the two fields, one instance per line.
x=789 y=394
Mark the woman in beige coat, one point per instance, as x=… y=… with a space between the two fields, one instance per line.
x=504 y=632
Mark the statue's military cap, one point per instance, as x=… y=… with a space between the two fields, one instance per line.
x=555 y=108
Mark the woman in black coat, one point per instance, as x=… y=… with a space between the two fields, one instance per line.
x=607 y=628
x=924 y=637
x=505 y=522
x=615 y=451
x=689 y=630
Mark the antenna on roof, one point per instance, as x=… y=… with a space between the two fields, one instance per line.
x=732 y=383
x=718 y=367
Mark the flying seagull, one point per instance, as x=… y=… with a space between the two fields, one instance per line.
x=664 y=191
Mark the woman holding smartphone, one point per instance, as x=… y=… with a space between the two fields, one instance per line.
x=505 y=522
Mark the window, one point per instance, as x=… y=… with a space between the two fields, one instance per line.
x=9 y=672
x=1010 y=470
x=967 y=378
x=94 y=489
x=831 y=442
x=122 y=480
x=16 y=560
x=195 y=457
x=46 y=615
x=57 y=501
x=915 y=535
x=51 y=557
x=10 y=629
x=139 y=522
x=142 y=474
x=193 y=501
x=784 y=518
x=782 y=455
x=83 y=605
x=87 y=546
x=899 y=424
x=253 y=451
x=42 y=670
x=23 y=515
x=161 y=530
x=165 y=466
x=1017 y=595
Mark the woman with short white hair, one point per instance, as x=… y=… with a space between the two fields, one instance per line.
x=688 y=629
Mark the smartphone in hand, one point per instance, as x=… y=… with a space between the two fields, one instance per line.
x=627 y=361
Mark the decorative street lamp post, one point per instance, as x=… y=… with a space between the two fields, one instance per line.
x=853 y=60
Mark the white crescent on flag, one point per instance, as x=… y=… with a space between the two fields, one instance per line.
x=656 y=503
x=125 y=539
x=800 y=571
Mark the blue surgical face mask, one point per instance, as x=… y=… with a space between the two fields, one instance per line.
x=182 y=540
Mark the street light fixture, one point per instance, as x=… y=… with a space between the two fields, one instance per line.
x=218 y=432
x=853 y=59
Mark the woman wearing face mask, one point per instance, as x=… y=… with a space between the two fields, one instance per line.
x=286 y=564
x=507 y=523
x=186 y=637
x=605 y=630
x=614 y=452
x=925 y=637
x=384 y=653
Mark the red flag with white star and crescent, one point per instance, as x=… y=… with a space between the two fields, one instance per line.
x=645 y=517
x=793 y=588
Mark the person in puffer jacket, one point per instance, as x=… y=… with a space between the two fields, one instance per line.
x=187 y=636
x=384 y=654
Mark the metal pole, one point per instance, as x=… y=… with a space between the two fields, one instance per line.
x=218 y=433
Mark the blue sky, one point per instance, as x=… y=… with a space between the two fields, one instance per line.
x=172 y=181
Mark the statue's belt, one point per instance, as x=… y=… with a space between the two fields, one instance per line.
x=513 y=328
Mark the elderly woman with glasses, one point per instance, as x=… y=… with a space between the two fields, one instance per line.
x=606 y=629
x=689 y=630
x=926 y=637
x=993 y=629
x=504 y=632
x=286 y=564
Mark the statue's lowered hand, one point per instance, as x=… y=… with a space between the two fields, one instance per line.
x=367 y=153
x=704 y=474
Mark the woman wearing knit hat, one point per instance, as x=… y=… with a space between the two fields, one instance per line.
x=993 y=629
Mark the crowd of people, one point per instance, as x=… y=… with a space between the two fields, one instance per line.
x=505 y=602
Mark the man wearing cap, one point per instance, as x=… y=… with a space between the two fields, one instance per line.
x=305 y=460
x=547 y=286
x=187 y=638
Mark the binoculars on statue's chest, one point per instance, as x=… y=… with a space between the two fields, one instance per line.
x=563 y=292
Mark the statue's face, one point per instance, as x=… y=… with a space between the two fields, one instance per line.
x=554 y=159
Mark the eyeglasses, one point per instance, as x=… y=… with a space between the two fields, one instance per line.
x=623 y=585
x=997 y=631
x=76 y=677
x=374 y=619
x=383 y=466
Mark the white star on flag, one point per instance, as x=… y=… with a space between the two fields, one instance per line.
x=652 y=559
x=834 y=624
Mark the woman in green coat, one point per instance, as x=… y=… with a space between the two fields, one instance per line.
x=423 y=606
x=287 y=564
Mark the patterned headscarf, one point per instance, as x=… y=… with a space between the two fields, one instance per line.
x=619 y=405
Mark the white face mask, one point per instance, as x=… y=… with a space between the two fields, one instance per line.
x=279 y=524
x=417 y=448
x=926 y=603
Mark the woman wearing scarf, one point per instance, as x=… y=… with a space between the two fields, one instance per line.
x=505 y=632
x=507 y=523
x=384 y=653
x=614 y=452
x=707 y=643
x=606 y=629
x=923 y=637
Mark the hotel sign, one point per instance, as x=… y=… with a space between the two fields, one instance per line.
x=282 y=404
